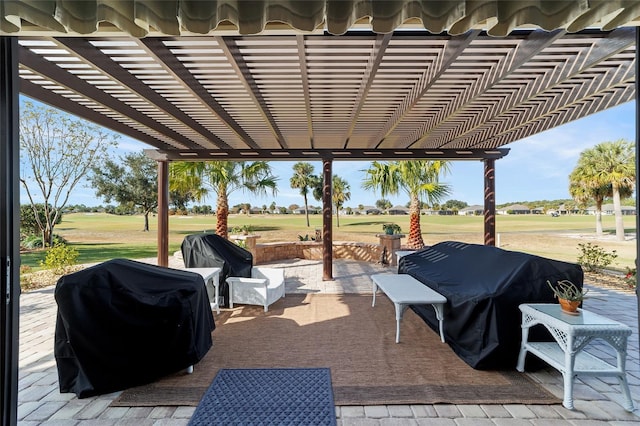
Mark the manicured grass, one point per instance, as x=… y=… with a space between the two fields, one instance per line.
x=99 y=237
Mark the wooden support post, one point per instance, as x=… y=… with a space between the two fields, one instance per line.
x=327 y=210
x=163 y=213
x=489 y=202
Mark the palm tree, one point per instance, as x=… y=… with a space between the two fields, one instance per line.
x=610 y=163
x=340 y=193
x=304 y=179
x=582 y=193
x=222 y=178
x=415 y=177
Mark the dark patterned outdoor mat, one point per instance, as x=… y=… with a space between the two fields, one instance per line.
x=281 y=396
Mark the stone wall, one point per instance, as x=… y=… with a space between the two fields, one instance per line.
x=270 y=252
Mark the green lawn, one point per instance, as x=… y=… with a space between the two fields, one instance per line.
x=100 y=236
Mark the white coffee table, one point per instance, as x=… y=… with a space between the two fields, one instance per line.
x=211 y=278
x=404 y=290
x=572 y=333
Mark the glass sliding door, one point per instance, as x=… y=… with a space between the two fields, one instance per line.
x=9 y=228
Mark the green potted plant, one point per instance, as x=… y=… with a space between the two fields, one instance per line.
x=391 y=228
x=244 y=229
x=568 y=294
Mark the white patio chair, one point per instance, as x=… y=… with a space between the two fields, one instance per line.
x=265 y=287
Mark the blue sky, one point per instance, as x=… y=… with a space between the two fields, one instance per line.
x=536 y=168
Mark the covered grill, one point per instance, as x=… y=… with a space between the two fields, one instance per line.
x=124 y=323
x=484 y=286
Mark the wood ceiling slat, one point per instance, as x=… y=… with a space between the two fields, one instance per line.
x=49 y=97
x=541 y=110
x=524 y=52
x=605 y=48
x=320 y=154
x=377 y=55
x=454 y=48
x=105 y=62
x=304 y=74
x=239 y=64
x=341 y=97
x=70 y=81
x=176 y=67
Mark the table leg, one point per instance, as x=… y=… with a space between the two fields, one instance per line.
x=624 y=385
x=567 y=402
x=375 y=290
x=568 y=374
x=523 y=349
x=216 y=299
x=230 y=294
x=440 y=315
x=621 y=354
x=400 y=308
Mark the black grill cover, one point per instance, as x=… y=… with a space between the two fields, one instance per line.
x=213 y=251
x=124 y=323
x=484 y=286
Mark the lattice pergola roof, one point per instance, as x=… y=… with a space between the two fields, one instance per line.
x=367 y=96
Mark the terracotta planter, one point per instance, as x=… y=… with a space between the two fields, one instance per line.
x=569 y=305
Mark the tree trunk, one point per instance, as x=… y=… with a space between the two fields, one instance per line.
x=146 y=222
x=47 y=233
x=599 y=218
x=415 y=233
x=617 y=209
x=306 y=209
x=222 y=213
x=337 y=216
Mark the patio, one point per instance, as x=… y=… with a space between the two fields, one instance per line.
x=39 y=401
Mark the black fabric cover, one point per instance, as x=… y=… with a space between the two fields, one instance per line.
x=484 y=286
x=212 y=251
x=124 y=323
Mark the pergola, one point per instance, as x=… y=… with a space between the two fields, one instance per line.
x=455 y=80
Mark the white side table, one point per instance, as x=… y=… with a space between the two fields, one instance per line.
x=572 y=333
x=211 y=278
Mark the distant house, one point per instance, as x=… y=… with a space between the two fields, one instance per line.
x=301 y=210
x=396 y=210
x=562 y=209
x=537 y=210
x=514 y=209
x=475 y=210
x=444 y=212
x=607 y=209
x=369 y=210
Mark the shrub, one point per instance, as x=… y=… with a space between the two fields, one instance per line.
x=594 y=258
x=60 y=258
x=32 y=242
x=28 y=222
x=630 y=277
